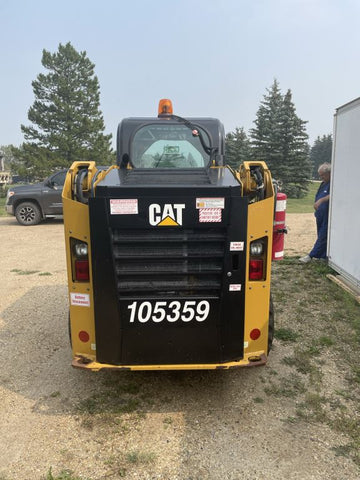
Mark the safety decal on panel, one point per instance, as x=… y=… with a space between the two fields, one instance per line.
x=80 y=299
x=212 y=202
x=235 y=287
x=210 y=209
x=124 y=206
x=236 y=246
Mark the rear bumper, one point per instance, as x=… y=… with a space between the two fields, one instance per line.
x=253 y=360
x=9 y=209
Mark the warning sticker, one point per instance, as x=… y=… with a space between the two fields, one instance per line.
x=236 y=246
x=80 y=299
x=124 y=206
x=210 y=203
x=235 y=287
x=210 y=215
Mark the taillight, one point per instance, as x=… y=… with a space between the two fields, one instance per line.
x=82 y=270
x=257 y=263
x=256 y=270
x=80 y=260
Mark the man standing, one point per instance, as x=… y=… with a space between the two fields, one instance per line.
x=321 y=207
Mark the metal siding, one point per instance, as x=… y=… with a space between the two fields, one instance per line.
x=344 y=225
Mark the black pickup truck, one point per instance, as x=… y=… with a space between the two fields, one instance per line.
x=32 y=203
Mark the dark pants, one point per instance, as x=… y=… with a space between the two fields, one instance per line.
x=319 y=249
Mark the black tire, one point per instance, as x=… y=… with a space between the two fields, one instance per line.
x=28 y=213
x=271 y=324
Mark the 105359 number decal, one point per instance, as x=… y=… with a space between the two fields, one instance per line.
x=169 y=311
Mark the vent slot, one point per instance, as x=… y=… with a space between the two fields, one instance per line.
x=161 y=263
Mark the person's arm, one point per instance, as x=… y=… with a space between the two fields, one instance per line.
x=320 y=201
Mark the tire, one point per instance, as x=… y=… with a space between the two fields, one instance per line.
x=271 y=324
x=28 y=213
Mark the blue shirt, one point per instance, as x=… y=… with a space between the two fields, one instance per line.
x=323 y=191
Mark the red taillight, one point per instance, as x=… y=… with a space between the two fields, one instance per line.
x=84 y=336
x=82 y=270
x=256 y=270
x=255 y=334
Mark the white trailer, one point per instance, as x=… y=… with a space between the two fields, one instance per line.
x=344 y=214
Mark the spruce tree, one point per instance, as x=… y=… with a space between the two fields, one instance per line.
x=265 y=137
x=66 y=121
x=294 y=167
x=237 y=147
x=280 y=139
x=320 y=153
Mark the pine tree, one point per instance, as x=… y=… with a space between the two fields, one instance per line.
x=237 y=147
x=265 y=137
x=67 y=124
x=295 y=162
x=320 y=153
x=280 y=139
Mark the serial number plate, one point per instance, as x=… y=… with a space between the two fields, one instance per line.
x=173 y=311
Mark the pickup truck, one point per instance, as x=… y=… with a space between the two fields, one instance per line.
x=33 y=203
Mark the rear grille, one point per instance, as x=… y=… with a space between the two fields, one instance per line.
x=171 y=176
x=161 y=263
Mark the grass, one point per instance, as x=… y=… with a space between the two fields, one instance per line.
x=63 y=475
x=303 y=205
x=3 y=212
x=286 y=334
x=319 y=333
x=119 y=465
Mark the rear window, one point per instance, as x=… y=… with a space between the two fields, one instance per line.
x=168 y=146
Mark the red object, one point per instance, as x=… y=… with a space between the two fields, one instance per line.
x=82 y=270
x=279 y=229
x=84 y=336
x=255 y=334
x=256 y=270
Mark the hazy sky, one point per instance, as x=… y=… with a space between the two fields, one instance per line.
x=211 y=57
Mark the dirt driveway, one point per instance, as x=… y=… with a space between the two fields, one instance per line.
x=153 y=425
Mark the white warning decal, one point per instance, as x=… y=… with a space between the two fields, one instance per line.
x=210 y=215
x=236 y=246
x=80 y=299
x=124 y=206
x=235 y=287
x=280 y=205
x=210 y=203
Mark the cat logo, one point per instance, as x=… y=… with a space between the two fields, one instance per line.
x=170 y=215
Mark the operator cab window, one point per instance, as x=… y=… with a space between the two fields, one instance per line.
x=168 y=146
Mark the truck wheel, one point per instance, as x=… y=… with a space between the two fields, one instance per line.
x=28 y=213
x=271 y=324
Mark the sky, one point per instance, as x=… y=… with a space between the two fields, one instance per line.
x=212 y=58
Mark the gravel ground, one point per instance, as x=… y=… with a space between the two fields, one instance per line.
x=150 y=425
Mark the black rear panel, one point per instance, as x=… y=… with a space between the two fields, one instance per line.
x=168 y=287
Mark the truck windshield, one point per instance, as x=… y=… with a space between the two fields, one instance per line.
x=168 y=146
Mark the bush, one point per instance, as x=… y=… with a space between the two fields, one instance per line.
x=3 y=190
